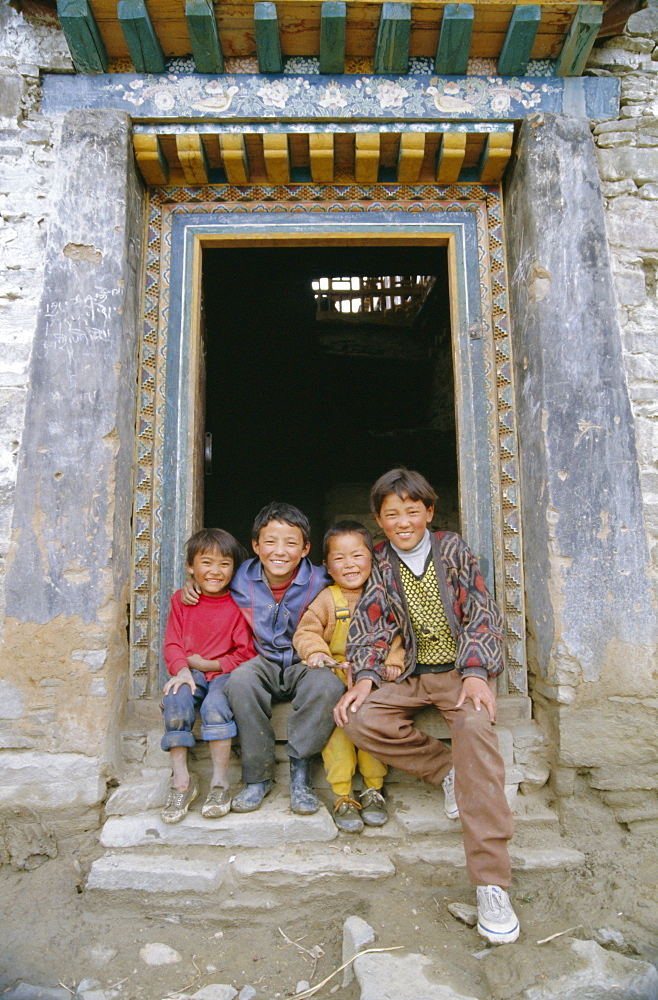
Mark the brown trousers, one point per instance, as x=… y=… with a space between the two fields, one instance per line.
x=384 y=727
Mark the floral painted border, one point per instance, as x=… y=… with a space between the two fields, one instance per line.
x=314 y=98
x=164 y=204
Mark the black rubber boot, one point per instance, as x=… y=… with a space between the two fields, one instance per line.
x=251 y=796
x=302 y=797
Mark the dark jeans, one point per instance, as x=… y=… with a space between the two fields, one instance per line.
x=252 y=690
x=180 y=710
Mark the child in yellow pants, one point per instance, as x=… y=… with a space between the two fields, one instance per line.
x=320 y=640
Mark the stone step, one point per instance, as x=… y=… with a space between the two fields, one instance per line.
x=273 y=823
x=242 y=873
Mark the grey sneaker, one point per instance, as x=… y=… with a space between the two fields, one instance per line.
x=449 y=801
x=178 y=803
x=346 y=815
x=497 y=921
x=373 y=807
x=218 y=803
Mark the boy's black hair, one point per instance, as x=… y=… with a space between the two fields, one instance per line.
x=215 y=540
x=346 y=528
x=281 y=512
x=402 y=482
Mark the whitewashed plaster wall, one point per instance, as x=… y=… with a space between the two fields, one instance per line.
x=28 y=143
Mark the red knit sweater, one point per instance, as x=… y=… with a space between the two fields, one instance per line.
x=214 y=628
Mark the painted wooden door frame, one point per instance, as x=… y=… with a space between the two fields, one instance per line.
x=461 y=227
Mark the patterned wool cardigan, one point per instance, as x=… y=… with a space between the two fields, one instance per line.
x=381 y=613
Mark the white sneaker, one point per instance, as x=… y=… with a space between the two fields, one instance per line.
x=449 y=801
x=497 y=921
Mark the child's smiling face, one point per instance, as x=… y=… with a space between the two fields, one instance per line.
x=348 y=561
x=280 y=548
x=212 y=572
x=404 y=521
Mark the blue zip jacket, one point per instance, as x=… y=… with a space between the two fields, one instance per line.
x=274 y=625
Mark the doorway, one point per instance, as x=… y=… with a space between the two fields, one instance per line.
x=325 y=366
x=452 y=238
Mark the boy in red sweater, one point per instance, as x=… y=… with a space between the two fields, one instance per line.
x=203 y=644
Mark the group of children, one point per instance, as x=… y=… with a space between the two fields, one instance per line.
x=358 y=647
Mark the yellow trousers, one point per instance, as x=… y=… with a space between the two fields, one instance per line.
x=340 y=758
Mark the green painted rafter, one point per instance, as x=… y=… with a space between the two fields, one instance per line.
x=454 y=39
x=332 y=36
x=520 y=37
x=268 y=44
x=202 y=28
x=393 y=37
x=579 y=41
x=141 y=39
x=82 y=36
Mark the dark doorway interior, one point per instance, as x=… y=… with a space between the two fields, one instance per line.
x=311 y=411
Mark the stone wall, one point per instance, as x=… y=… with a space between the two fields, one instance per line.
x=627 y=154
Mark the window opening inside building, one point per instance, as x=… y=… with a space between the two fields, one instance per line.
x=308 y=401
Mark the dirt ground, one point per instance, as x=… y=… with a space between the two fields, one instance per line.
x=54 y=931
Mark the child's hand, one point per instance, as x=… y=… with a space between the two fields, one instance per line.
x=197 y=662
x=391 y=672
x=183 y=676
x=480 y=692
x=352 y=700
x=189 y=594
x=320 y=660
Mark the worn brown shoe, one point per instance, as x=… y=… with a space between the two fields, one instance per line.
x=178 y=803
x=218 y=803
x=373 y=807
x=346 y=815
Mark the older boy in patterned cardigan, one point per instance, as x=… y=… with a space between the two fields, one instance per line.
x=430 y=588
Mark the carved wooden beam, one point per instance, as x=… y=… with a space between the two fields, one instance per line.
x=82 y=36
x=332 y=36
x=520 y=37
x=321 y=154
x=202 y=29
x=150 y=159
x=141 y=39
x=410 y=157
x=579 y=41
x=450 y=158
x=234 y=158
x=366 y=157
x=193 y=160
x=268 y=43
x=454 y=39
x=393 y=36
x=277 y=157
x=495 y=156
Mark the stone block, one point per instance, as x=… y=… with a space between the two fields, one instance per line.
x=357 y=935
x=643 y=23
x=618 y=164
x=139 y=796
x=50 y=781
x=607 y=734
x=632 y=223
x=272 y=824
x=630 y=287
x=617 y=779
x=161 y=874
x=12 y=92
x=570 y=970
x=390 y=976
x=551 y=858
x=12 y=701
x=28 y=991
x=290 y=866
x=418 y=809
